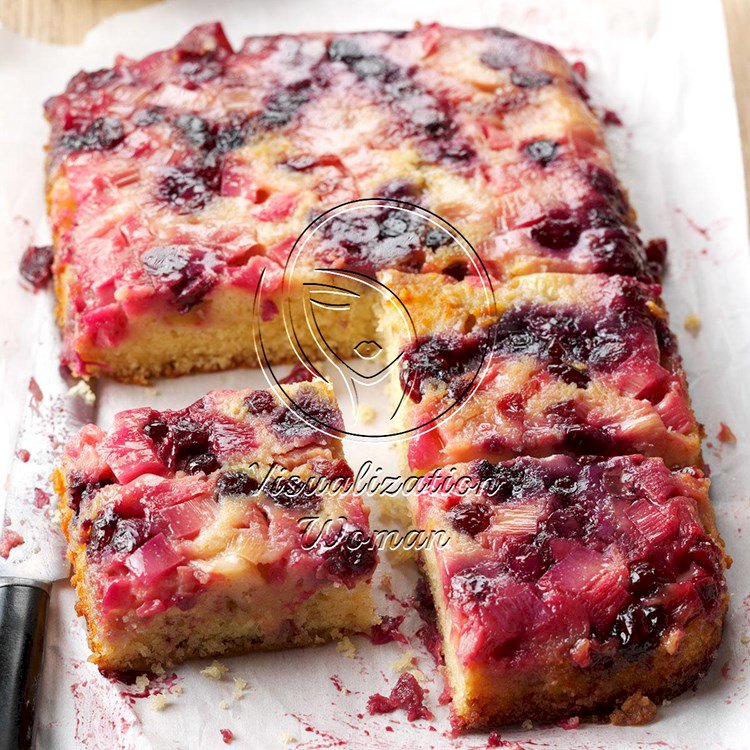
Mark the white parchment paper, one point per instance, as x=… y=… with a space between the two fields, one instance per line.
x=662 y=65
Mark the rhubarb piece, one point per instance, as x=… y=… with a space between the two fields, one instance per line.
x=178 y=181
x=555 y=363
x=186 y=534
x=587 y=581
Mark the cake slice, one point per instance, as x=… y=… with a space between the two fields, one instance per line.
x=551 y=363
x=178 y=182
x=187 y=536
x=567 y=586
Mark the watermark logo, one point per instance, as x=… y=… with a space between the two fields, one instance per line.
x=339 y=292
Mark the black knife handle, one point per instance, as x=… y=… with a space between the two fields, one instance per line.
x=23 y=618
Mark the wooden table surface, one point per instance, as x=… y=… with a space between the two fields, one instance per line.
x=67 y=21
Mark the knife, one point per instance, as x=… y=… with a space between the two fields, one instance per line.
x=57 y=406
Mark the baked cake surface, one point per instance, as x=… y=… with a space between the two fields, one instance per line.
x=185 y=531
x=176 y=181
x=568 y=585
x=555 y=363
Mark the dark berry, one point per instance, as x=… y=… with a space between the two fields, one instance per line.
x=236 y=483
x=449 y=358
x=289 y=425
x=644 y=579
x=189 y=273
x=230 y=137
x=196 y=130
x=638 y=628
x=569 y=374
x=196 y=69
x=102 y=134
x=205 y=462
x=371 y=66
x=186 y=190
x=351 y=555
x=556 y=232
x=344 y=50
x=122 y=535
x=436 y=237
x=292 y=493
x=470 y=518
x=81 y=488
x=457 y=270
x=149 y=116
x=36 y=265
x=530 y=79
x=260 y=402
x=541 y=151
x=280 y=108
x=564 y=523
x=157 y=430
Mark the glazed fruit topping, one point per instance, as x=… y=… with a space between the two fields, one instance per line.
x=615 y=541
x=36 y=265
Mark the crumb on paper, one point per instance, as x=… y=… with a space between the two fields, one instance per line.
x=141 y=683
x=217 y=671
x=636 y=710
x=528 y=724
x=692 y=324
x=178 y=689
x=725 y=434
x=405 y=663
x=158 y=670
x=239 y=688
x=224 y=705
x=366 y=414
x=288 y=739
x=158 y=702
x=83 y=391
x=386 y=583
x=346 y=647
x=744 y=639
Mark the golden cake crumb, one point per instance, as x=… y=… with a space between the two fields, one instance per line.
x=83 y=390
x=346 y=647
x=239 y=688
x=692 y=324
x=217 y=671
x=405 y=663
x=366 y=414
x=141 y=682
x=158 y=702
x=224 y=705
x=635 y=711
x=528 y=724
x=288 y=739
